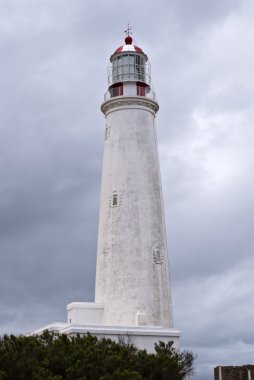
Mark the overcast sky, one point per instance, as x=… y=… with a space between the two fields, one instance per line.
x=53 y=75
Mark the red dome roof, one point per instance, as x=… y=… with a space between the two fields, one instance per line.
x=128 y=47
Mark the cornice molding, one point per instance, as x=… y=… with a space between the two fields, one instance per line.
x=129 y=102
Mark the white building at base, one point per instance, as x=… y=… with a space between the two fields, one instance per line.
x=132 y=292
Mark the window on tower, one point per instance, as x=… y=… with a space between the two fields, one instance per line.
x=158 y=257
x=114 y=203
x=115 y=199
x=139 y=67
x=116 y=89
x=141 y=89
x=107 y=131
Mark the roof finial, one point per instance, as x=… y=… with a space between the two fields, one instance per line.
x=128 y=39
x=128 y=31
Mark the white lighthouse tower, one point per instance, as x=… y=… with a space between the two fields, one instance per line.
x=132 y=278
x=132 y=291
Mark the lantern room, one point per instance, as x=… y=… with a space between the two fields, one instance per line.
x=129 y=72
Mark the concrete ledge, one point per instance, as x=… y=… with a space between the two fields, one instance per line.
x=87 y=305
x=54 y=327
x=142 y=337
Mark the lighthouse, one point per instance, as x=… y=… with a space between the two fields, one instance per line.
x=132 y=279
x=132 y=287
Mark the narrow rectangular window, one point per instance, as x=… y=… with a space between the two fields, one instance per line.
x=116 y=90
x=141 y=89
x=114 y=203
x=107 y=131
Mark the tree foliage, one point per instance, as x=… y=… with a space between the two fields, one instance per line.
x=60 y=357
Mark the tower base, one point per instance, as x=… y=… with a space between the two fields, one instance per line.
x=141 y=337
x=86 y=317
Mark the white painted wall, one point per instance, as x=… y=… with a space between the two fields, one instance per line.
x=132 y=279
x=85 y=313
